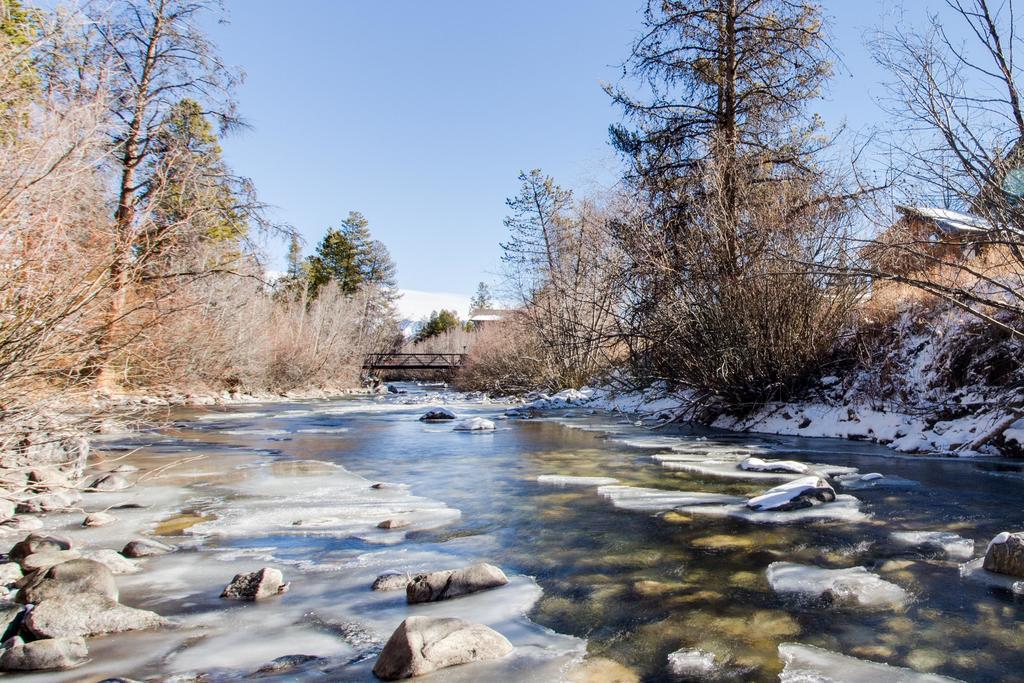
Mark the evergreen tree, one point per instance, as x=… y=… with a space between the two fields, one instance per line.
x=335 y=259
x=439 y=322
x=294 y=257
x=19 y=27
x=482 y=298
x=189 y=184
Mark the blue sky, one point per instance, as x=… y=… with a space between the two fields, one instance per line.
x=421 y=115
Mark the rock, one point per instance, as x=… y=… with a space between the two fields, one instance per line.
x=392 y=524
x=10 y=573
x=392 y=581
x=114 y=561
x=691 y=664
x=794 y=495
x=1005 y=554
x=47 y=479
x=22 y=523
x=290 y=663
x=50 y=502
x=109 y=482
x=94 y=519
x=45 y=655
x=600 y=670
x=474 y=424
x=146 y=547
x=758 y=465
x=7 y=508
x=437 y=415
x=10 y=621
x=421 y=645
x=257 y=585
x=34 y=543
x=453 y=583
x=87 y=614
x=48 y=558
x=69 y=578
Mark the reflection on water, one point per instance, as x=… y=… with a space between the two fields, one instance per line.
x=636 y=585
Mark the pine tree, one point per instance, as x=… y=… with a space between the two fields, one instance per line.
x=439 y=322
x=482 y=298
x=335 y=259
x=294 y=257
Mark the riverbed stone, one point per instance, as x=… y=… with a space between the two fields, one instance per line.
x=146 y=547
x=87 y=614
x=10 y=573
x=48 y=558
x=258 y=585
x=69 y=578
x=94 y=519
x=421 y=645
x=600 y=670
x=50 y=502
x=454 y=582
x=291 y=663
x=10 y=621
x=391 y=581
x=114 y=561
x=1005 y=554
x=44 y=655
x=35 y=543
x=47 y=479
x=109 y=482
x=437 y=415
x=393 y=524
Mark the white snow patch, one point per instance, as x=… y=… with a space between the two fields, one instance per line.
x=474 y=424
x=855 y=585
x=953 y=545
x=808 y=664
x=776 y=497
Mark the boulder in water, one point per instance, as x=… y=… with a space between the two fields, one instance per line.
x=391 y=581
x=44 y=655
x=438 y=415
x=109 y=482
x=474 y=424
x=43 y=560
x=35 y=543
x=1005 y=554
x=94 y=519
x=257 y=585
x=87 y=614
x=146 y=547
x=421 y=645
x=794 y=495
x=453 y=583
x=67 y=579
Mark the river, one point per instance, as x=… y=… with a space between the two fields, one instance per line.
x=621 y=574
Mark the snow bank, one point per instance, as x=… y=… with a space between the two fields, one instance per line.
x=954 y=546
x=854 y=586
x=474 y=424
x=807 y=664
x=560 y=480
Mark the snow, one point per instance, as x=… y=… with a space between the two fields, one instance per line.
x=560 y=480
x=759 y=465
x=691 y=663
x=474 y=424
x=808 y=664
x=953 y=545
x=776 y=497
x=657 y=500
x=856 y=585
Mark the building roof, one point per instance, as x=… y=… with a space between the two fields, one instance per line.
x=950 y=222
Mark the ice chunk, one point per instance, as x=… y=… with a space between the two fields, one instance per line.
x=794 y=495
x=844 y=508
x=807 y=664
x=855 y=585
x=560 y=480
x=954 y=546
x=872 y=480
x=691 y=663
x=634 y=498
x=474 y=424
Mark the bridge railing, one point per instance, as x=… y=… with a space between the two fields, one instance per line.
x=413 y=361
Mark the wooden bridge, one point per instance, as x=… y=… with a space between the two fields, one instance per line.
x=446 y=362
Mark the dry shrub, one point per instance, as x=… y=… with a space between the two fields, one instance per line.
x=506 y=358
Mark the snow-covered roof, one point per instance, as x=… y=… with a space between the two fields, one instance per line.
x=950 y=222
x=482 y=315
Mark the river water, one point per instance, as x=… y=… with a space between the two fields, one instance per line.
x=622 y=573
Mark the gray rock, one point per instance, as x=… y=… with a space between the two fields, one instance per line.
x=146 y=547
x=48 y=479
x=69 y=578
x=257 y=585
x=50 y=502
x=87 y=614
x=392 y=524
x=47 y=558
x=94 y=519
x=291 y=663
x=794 y=495
x=45 y=655
x=35 y=543
x=10 y=573
x=437 y=415
x=392 y=581
x=10 y=621
x=453 y=583
x=109 y=482
x=421 y=645
x=21 y=523
x=7 y=508
x=1005 y=554
x=114 y=561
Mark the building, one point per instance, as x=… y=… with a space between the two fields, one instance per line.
x=485 y=317
x=924 y=236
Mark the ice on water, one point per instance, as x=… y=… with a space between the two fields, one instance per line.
x=853 y=586
x=808 y=664
x=561 y=480
x=953 y=545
